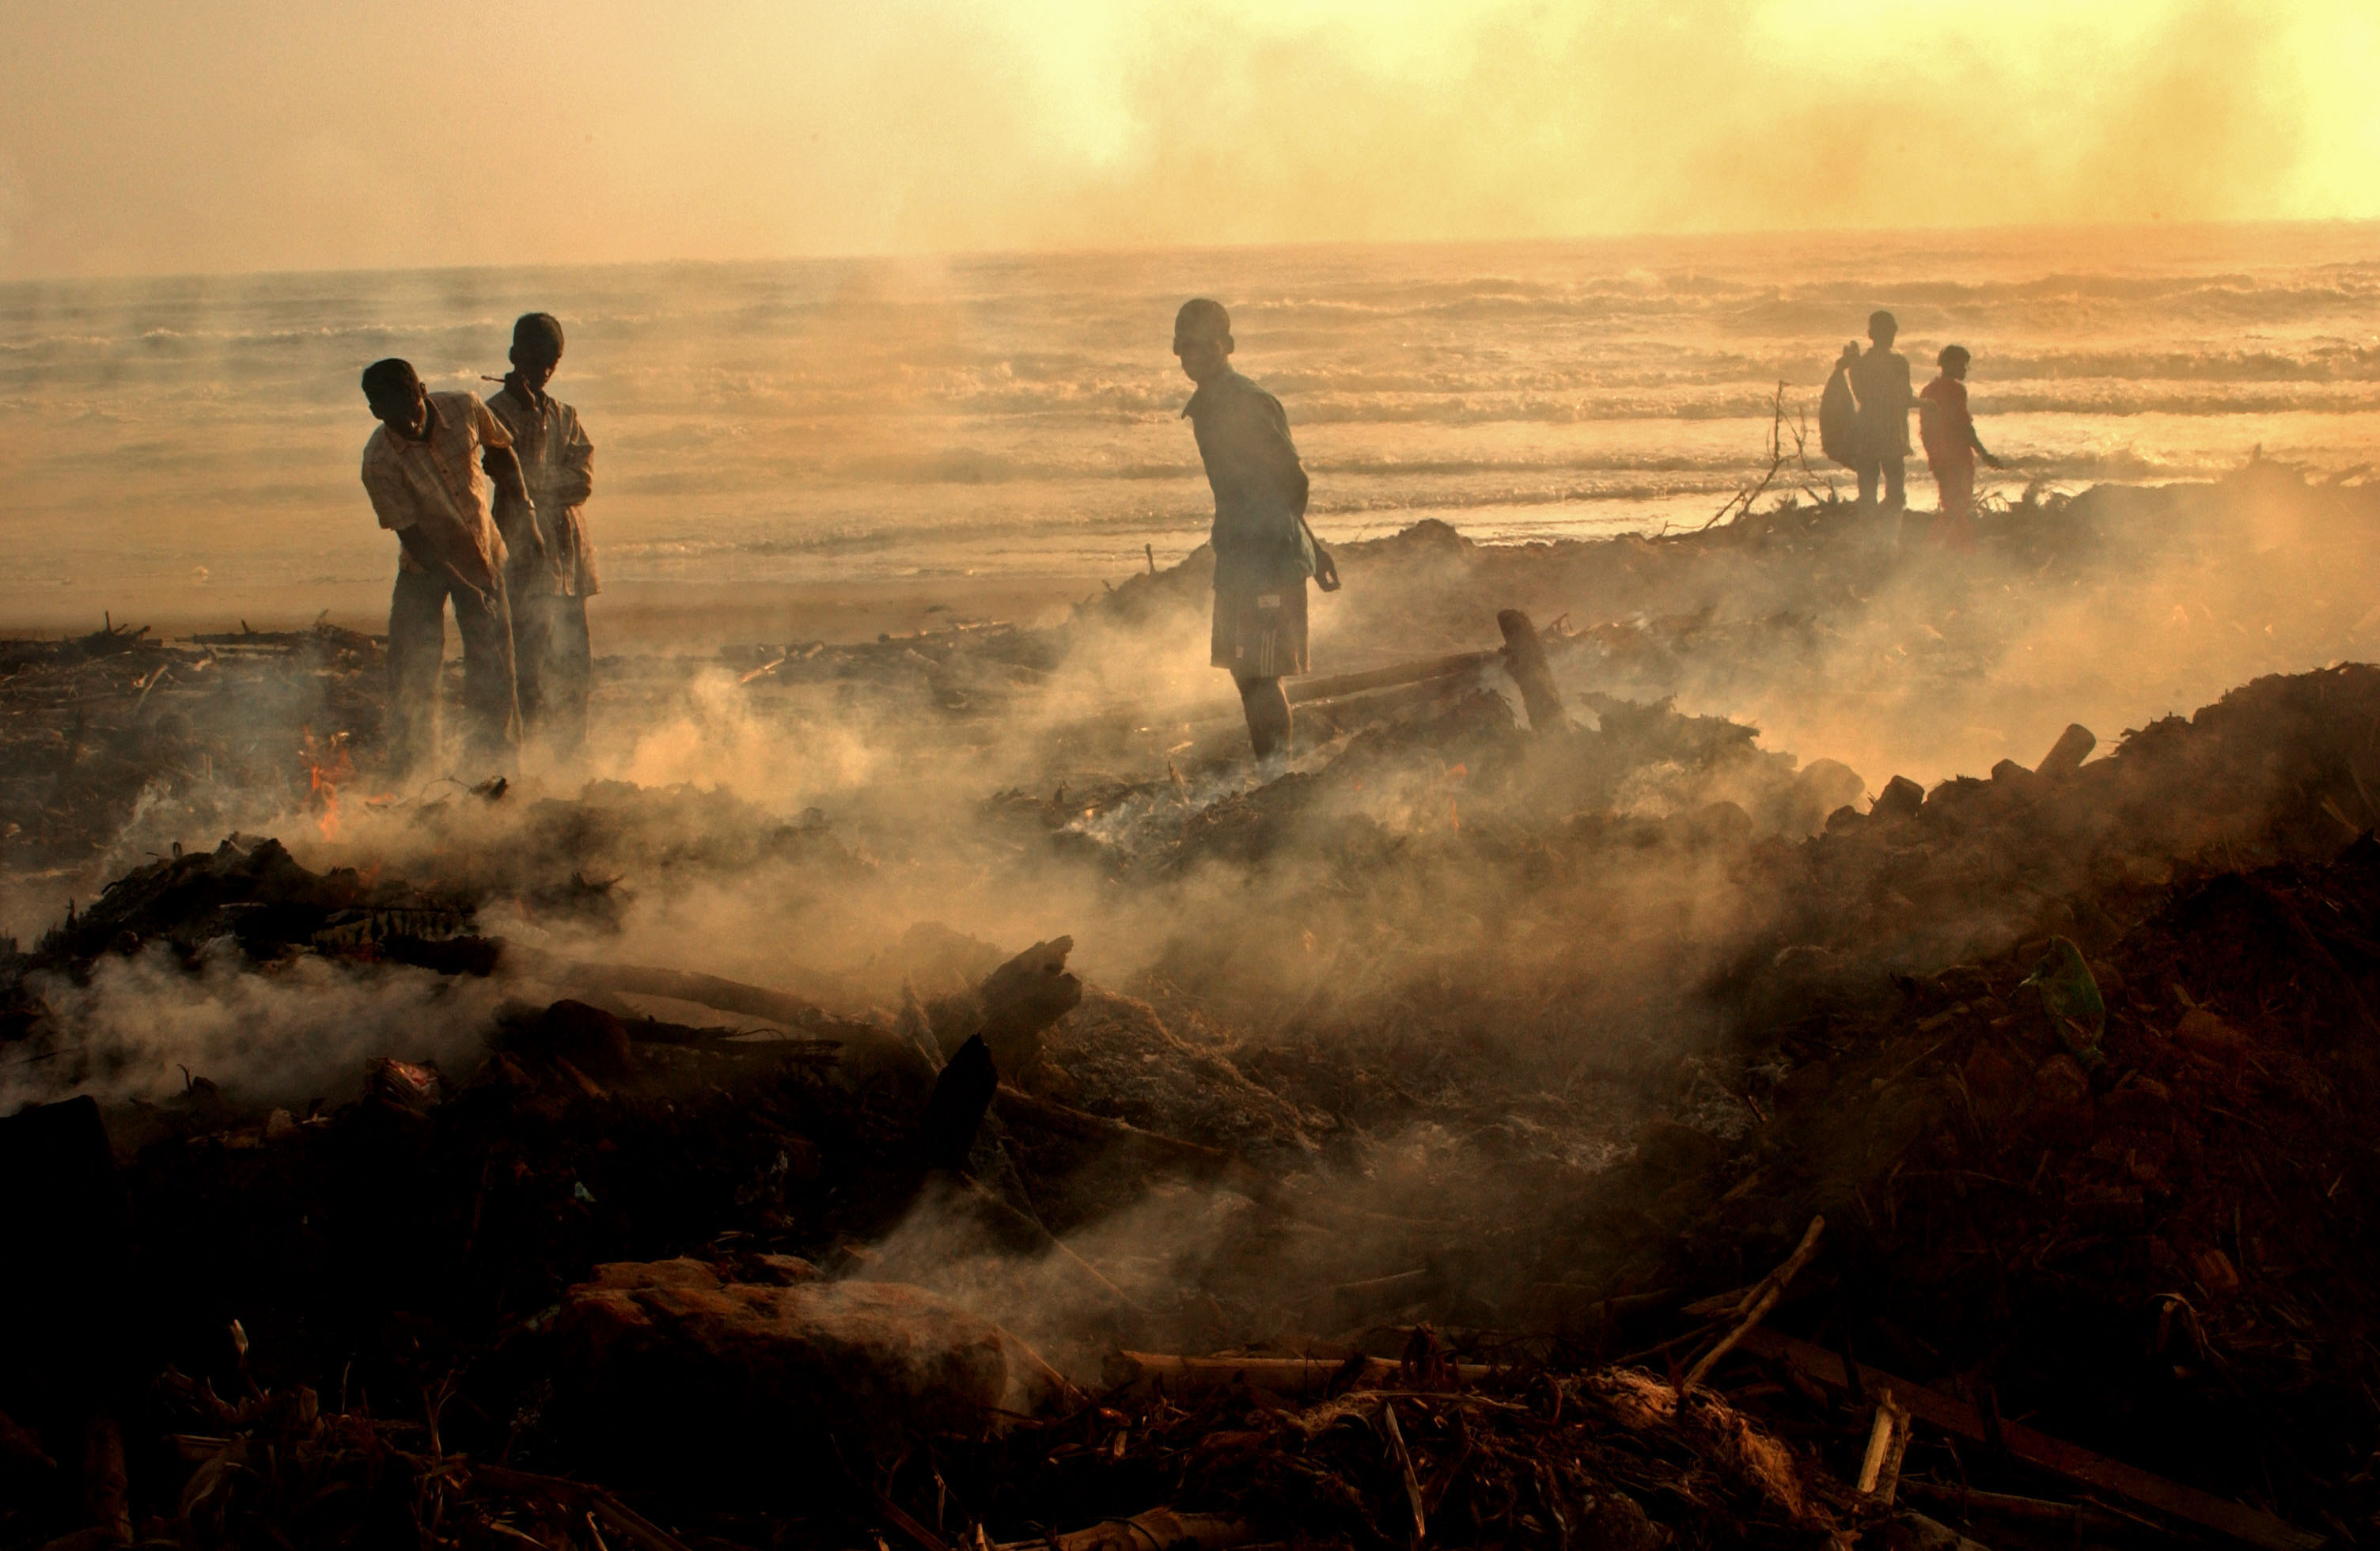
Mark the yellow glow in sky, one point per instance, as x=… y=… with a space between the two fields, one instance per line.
x=207 y=134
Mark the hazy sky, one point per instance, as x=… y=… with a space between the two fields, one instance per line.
x=196 y=135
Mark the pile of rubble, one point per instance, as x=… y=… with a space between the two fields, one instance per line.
x=694 y=1282
x=1545 y=1118
x=92 y=727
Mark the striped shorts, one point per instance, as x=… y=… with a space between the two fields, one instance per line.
x=1261 y=635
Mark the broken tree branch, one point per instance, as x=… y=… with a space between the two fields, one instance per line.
x=2238 y=1520
x=631 y=1525
x=1759 y=1300
x=1887 y=1441
x=1779 y=427
x=1405 y=1468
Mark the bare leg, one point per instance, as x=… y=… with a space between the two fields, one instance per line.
x=1268 y=721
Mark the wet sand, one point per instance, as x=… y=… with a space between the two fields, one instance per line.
x=645 y=615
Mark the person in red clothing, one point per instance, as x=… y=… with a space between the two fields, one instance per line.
x=1951 y=448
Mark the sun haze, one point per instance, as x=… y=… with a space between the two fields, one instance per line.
x=220 y=135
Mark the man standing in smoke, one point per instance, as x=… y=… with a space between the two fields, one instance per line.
x=1948 y=431
x=549 y=580
x=1879 y=380
x=428 y=469
x=1264 y=552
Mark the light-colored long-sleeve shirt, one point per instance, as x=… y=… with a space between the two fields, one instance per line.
x=557 y=464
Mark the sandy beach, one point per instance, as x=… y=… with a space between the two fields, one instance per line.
x=640 y=616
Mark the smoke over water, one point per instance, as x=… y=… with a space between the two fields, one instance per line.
x=187 y=449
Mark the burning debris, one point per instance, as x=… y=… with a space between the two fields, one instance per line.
x=1545 y=1117
x=95 y=729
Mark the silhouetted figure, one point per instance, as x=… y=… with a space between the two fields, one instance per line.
x=1263 y=549
x=549 y=580
x=429 y=470
x=1951 y=448
x=1879 y=380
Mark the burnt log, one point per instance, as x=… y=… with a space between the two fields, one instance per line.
x=1009 y=1009
x=2065 y=755
x=955 y=1112
x=1525 y=658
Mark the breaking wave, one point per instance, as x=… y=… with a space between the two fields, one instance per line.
x=855 y=410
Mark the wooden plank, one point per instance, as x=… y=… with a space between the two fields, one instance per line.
x=1302 y=691
x=2251 y=1526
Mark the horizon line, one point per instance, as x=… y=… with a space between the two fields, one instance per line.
x=1093 y=251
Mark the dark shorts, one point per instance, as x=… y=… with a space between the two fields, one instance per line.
x=1261 y=635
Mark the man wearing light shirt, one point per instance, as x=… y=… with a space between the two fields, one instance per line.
x=429 y=470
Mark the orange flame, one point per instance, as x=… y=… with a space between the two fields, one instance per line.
x=325 y=769
x=326 y=793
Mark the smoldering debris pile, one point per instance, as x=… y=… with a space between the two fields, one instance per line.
x=1804 y=618
x=93 y=726
x=1547 y=1117
x=2078 y=1192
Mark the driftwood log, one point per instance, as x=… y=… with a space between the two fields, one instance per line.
x=1525 y=658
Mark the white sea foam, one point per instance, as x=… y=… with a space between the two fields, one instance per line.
x=848 y=418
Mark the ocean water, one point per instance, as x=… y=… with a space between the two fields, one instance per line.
x=814 y=420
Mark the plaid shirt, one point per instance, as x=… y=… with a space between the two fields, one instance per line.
x=437 y=487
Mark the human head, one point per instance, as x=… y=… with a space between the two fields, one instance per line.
x=393 y=390
x=1882 y=326
x=537 y=347
x=1202 y=338
x=1953 y=360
